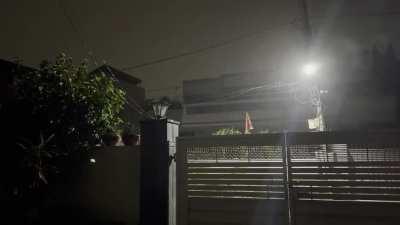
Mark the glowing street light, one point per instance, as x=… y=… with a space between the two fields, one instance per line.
x=310 y=69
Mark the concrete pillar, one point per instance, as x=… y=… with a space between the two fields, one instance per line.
x=157 y=181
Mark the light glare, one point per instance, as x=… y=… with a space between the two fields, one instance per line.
x=310 y=69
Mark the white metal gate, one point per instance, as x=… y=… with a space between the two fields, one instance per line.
x=286 y=178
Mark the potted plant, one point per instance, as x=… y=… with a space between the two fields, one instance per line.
x=111 y=138
x=130 y=136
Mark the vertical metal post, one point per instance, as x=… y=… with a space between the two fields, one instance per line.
x=182 y=209
x=308 y=40
x=320 y=112
x=248 y=154
x=288 y=180
x=216 y=155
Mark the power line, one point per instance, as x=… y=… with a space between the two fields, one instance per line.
x=166 y=88
x=387 y=13
x=71 y=23
x=129 y=100
x=207 y=48
x=131 y=103
x=75 y=29
x=269 y=86
x=227 y=42
x=307 y=29
x=213 y=46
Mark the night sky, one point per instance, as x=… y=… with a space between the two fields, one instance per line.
x=128 y=33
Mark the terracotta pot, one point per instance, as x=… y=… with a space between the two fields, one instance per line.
x=130 y=139
x=110 y=139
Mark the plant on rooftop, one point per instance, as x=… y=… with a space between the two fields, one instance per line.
x=227 y=131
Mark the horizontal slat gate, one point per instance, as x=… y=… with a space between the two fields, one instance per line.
x=234 y=181
x=241 y=180
x=359 y=181
x=217 y=180
x=347 y=172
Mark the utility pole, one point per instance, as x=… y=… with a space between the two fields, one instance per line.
x=305 y=18
x=308 y=42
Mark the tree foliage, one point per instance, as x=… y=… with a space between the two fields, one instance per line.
x=75 y=106
x=56 y=111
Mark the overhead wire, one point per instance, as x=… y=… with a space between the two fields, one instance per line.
x=271 y=86
x=240 y=38
x=139 y=109
x=209 y=47
x=177 y=87
x=71 y=23
x=131 y=103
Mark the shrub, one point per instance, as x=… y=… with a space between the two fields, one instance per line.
x=75 y=106
x=57 y=112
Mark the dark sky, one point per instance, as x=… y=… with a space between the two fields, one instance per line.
x=128 y=32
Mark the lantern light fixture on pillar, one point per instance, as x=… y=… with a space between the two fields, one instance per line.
x=160 y=108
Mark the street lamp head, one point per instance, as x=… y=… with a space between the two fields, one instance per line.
x=310 y=69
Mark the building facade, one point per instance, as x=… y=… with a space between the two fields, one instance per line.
x=364 y=97
x=212 y=104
